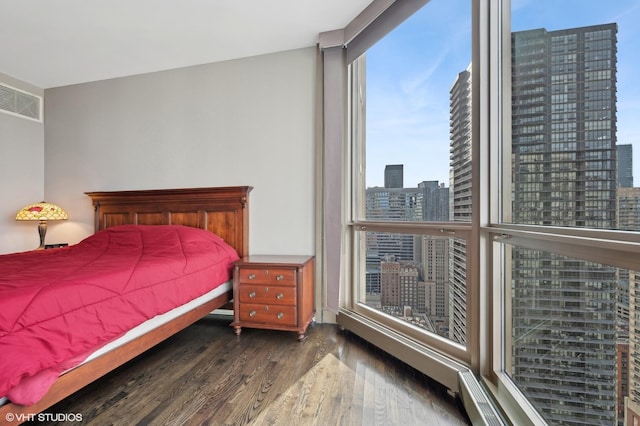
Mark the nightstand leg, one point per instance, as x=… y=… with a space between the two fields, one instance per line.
x=238 y=330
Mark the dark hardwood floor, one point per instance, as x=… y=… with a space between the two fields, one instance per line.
x=205 y=375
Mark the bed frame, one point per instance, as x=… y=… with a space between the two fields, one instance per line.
x=222 y=210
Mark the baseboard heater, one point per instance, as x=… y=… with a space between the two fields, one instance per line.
x=451 y=374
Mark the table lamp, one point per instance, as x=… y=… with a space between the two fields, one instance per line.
x=43 y=212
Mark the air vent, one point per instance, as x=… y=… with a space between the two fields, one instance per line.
x=22 y=104
x=476 y=402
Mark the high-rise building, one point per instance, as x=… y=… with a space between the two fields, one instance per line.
x=563 y=340
x=460 y=148
x=628 y=220
x=629 y=294
x=433 y=254
x=436 y=201
x=435 y=265
x=634 y=338
x=623 y=375
x=625 y=166
x=629 y=209
x=394 y=176
x=400 y=285
x=460 y=187
x=564 y=174
x=398 y=204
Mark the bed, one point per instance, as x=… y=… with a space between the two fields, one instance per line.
x=147 y=217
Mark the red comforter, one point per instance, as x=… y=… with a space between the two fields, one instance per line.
x=57 y=306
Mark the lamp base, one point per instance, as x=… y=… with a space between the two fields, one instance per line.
x=42 y=230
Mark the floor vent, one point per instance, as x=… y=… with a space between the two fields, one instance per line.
x=23 y=104
x=477 y=404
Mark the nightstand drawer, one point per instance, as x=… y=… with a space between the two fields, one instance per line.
x=271 y=314
x=268 y=276
x=267 y=294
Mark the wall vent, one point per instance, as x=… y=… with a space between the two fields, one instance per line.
x=22 y=104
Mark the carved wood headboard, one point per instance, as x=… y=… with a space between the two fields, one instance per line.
x=222 y=210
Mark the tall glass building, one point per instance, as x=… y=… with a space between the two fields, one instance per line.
x=625 y=166
x=460 y=200
x=564 y=174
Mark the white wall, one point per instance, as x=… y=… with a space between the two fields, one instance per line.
x=21 y=173
x=242 y=122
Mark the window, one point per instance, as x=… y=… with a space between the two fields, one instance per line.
x=527 y=275
x=569 y=301
x=411 y=265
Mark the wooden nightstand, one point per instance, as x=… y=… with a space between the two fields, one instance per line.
x=273 y=292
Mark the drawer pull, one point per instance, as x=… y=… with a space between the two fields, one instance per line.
x=280 y=315
x=252 y=294
x=252 y=276
x=279 y=278
x=252 y=314
x=279 y=296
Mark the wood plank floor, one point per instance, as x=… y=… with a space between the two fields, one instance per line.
x=205 y=375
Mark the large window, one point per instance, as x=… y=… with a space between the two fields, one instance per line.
x=411 y=268
x=567 y=333
x=492 y=216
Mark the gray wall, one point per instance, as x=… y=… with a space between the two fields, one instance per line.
x=243 y=122
x=21 y=173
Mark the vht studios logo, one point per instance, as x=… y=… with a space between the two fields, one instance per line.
x=43 y=417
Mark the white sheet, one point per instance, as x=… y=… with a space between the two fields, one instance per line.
x=159 y=320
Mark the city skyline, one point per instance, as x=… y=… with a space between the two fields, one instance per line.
x=408 y=88
x=566 y=313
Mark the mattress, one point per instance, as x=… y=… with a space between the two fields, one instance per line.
x=59 y=306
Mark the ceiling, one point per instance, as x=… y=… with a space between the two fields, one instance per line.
x=62 y=42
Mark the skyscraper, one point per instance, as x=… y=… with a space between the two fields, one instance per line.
x=394 y=176
x=562 y=351
x=436 y=201
x=629 y=208
x=564 y=174
x=629 y=296
x=625 y=166
x=460 y=188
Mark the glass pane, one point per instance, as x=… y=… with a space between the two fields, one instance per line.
x=574 y=111
x=416 y=278
x=569 y=351
x=418 y=117
x=574 y=122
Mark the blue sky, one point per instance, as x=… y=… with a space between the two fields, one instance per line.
x=410 y=72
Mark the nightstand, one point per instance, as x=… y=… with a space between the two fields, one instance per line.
x=273 y=292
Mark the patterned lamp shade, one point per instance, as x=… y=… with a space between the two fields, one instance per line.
x=41 y=211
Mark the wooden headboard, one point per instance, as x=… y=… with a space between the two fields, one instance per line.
x=222 y=210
